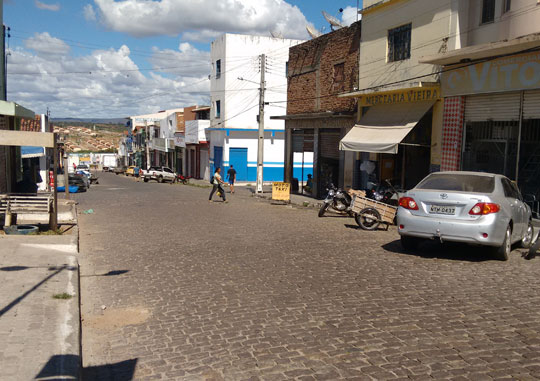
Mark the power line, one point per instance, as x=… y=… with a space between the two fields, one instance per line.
x=416 y=77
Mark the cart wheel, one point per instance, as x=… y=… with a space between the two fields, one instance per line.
x=368 y=219
x=533 y=249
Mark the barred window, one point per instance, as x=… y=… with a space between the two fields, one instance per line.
x=399 y=43
x=488 y=11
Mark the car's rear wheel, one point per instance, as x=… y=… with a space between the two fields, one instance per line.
x=502 y=253
x=528 y=237
x=160 y=179
x=410 y=243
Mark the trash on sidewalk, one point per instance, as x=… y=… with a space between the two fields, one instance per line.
x=89 y=211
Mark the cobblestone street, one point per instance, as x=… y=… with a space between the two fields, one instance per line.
x=175 y=287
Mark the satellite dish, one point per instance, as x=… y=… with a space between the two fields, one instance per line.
x=314 y=33
x=333 y=21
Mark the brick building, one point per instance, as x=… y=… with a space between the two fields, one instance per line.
x=13 y=117
x=317 y=119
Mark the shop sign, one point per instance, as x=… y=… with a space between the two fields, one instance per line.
x=281 y=191
x=417 y=94
x=84 y=159
x=179 y=141
x=519 y=72
x=159 y=144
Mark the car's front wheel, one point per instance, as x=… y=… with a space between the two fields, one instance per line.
x=502 y=253
x=528 y=237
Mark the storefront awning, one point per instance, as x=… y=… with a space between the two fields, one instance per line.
x=384 y=126
x=28 y=152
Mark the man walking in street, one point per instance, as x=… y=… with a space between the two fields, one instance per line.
x=216 y=185
x=231 y=174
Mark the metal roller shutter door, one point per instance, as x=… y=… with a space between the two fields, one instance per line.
x=297 y=141
x=498 y=107
x=302 y=140
x=531 y=104
x=330 y=144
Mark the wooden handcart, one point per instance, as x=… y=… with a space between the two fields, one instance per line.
x=369 y=214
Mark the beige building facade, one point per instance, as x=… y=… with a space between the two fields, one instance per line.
x=420 y=62
x=491 y=91
x=400 y=105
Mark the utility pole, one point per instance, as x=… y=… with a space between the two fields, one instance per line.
x=260 y=152
x=66 y=175
x=147 y=145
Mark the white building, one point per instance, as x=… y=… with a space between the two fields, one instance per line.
x=158 y=131
x=234 y=89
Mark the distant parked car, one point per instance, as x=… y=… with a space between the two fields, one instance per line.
x=120 y=169
x=80 y=180
x=470 y=207
x=83 y=167
x=159 y=174
x=130 y=171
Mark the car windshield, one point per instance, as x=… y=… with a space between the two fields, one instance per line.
x=457 y=182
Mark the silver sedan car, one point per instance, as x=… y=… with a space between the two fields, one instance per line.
x=470 y=207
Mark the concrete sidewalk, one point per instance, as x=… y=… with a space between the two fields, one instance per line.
x=249 y=189
x=39 y=307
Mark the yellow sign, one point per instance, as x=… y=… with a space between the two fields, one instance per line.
x=416 y=94
x=281 y=191
x=519 y=72
x=84 y=159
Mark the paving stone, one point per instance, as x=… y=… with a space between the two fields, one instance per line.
x=250 y=290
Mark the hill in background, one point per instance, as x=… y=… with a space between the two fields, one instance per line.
x=72 y=121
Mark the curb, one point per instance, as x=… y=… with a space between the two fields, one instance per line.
x=316 y=204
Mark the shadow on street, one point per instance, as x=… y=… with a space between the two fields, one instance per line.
x=448 y=250
x=61 y=367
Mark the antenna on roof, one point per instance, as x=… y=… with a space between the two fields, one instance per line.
x=276 y=34
x=314 y=33
x=333 y=21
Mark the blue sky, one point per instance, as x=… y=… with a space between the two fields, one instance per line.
x=126 y=44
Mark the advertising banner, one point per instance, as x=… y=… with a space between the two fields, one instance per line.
x=513 y=73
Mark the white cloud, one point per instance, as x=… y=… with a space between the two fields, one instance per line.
x=48 y=7
x=349 y=16
x=89 y=13
x=105 y=83
x=202 y=19
x=46 y=45
x=187 y=59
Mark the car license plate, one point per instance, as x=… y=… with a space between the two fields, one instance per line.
x=439 y=209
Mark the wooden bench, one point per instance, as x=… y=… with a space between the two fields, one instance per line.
x=18 y=203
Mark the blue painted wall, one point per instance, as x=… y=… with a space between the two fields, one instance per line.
x=297 y=172
x=238 y=159
x=274 y=173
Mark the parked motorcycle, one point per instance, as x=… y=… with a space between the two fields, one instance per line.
x=385 y=193
x=337 y=199
x=183 y=179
